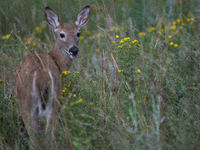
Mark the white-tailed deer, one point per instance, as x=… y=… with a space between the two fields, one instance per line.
x=38 y=80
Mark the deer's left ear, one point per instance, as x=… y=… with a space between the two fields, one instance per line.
x=83 y=16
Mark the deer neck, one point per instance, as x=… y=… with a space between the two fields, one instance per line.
x=62 y=62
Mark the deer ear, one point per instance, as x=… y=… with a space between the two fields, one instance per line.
x=52 y=18
x=83 y=16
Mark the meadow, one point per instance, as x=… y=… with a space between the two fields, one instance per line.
x=135 y=84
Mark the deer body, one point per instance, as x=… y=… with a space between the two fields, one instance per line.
x=38 y=81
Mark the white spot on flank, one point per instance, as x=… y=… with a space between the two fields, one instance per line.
x=34 y=92
x=52 y=86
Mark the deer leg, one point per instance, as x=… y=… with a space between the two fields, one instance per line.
x=48 y=120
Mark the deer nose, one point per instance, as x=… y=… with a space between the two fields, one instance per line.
x=74 y=50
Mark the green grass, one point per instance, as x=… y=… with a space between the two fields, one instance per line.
x=127 y=95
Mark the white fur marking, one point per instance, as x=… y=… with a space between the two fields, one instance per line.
x=34 y=83
x=34 y=94
x=52 y=85
x=55 y=30
x=65 y=38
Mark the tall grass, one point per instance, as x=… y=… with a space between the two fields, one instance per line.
x=134 y=86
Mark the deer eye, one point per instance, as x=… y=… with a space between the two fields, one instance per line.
x=78 y=34
x=62 y=35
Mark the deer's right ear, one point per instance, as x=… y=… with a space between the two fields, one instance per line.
x=52 y=18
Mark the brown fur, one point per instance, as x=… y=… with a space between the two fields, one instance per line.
x=38 y=81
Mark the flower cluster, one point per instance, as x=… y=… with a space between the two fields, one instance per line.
x=174 y=26
x=76 y=102
x=70 y=87
x=116 y=28
x=33 y=41
x=87 y=34
x=6 y=36
x=124 y=43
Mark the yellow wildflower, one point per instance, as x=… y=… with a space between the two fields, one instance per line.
x=43 y=25
x=119 y=70
x=173 y=27
x=6 y=36
x=122 y=41
x=169 y=36
x=91 y=103
x=153 y=28
x=183 y=24
x=37 y=28
x=188 y=19
x=138 y=70
x=64 y=107
x=177 y=20
x=141 y=33
x=112 y=28
x=128 y=38
x=81 y=37
x=71 y=103
x=171 y=43
x=34 y=44
x=134 y=41
x=181 y=27
x=82 y=115
x=64 y=72
x=88 y=33
x=117 y=36
x=162 y=30
x=97 y=50
x=74 y=95
x=79 y=101
x=175 y=45
x=29 y=39
x=38 y=39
